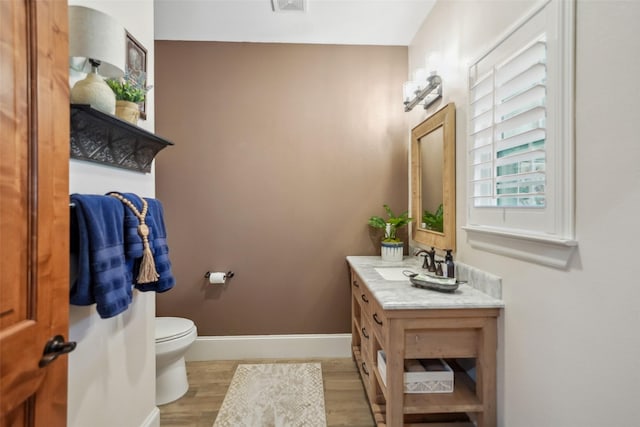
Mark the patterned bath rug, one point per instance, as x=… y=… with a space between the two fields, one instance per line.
x=274 y=395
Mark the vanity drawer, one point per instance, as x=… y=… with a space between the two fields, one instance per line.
x=361 y=294
x=379 y=323
x=436 y=343
x=365 y=366
x=356 y=282
x=366 y=340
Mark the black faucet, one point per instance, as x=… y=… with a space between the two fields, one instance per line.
x=439 y=268
x=425 y=263
x=432 y=260
x=429 y=263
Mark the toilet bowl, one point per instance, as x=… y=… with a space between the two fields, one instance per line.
x=174 y=335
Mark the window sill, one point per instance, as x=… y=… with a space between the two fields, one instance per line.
x=549 y=251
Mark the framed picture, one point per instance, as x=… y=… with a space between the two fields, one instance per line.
x=136 y=64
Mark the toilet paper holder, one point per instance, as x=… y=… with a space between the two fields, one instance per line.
x=229 y=274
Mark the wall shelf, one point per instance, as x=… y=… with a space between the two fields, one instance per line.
x=104 y=138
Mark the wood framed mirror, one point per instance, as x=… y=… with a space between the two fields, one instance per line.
x=433 y=180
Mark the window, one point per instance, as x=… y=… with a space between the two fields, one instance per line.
x=508 y=110
x=520 y=140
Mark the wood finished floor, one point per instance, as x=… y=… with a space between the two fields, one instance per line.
x=345 y=400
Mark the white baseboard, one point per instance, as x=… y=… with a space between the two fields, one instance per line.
x=153 y=420
x=270 y=347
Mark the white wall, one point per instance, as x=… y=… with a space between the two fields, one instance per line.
x=112 y=371
x=569 y=348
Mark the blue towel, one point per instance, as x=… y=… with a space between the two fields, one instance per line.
x=157 y=241
x=160 y=249
x=97 y=237
x=104 y=235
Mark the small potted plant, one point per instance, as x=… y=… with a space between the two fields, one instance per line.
x=130 y=91
x=392 y=247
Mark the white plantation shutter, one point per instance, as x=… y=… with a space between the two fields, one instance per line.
x=520 y=132
x=508 y=130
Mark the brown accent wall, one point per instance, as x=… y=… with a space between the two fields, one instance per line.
x=282 y=152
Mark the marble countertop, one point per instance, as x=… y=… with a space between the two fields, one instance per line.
x=401 y=295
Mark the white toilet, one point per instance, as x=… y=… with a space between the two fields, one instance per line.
x=174 y=335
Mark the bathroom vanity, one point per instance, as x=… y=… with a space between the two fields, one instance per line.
x=408 y=323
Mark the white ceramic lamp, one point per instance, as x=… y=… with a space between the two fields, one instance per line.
x=97 y=43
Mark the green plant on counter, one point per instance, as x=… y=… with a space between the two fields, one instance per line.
x=433 y=221
x=130 y=87
x=391 y=224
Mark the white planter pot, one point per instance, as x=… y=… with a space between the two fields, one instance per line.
x=392 y=251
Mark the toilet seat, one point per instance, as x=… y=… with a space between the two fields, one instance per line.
x=171 y=328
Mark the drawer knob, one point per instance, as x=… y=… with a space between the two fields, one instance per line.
x=364 y=333
x=375 y=317
x=364 y=298
x=364 y=368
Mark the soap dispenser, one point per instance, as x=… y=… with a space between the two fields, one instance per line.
x=449 y=265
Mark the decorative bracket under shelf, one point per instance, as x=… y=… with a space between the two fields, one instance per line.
x=103 y=138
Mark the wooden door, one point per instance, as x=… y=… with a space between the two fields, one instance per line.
x=34 y=210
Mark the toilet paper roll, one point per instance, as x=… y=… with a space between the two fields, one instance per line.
x=216 y=278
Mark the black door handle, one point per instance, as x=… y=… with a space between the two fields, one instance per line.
x=55 y=347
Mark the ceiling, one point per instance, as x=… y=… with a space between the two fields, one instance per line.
x=362 y=22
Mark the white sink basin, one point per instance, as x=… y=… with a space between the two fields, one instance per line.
x=392 y=273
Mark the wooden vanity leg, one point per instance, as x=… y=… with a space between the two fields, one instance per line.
x=395 y=375
x=486 y=373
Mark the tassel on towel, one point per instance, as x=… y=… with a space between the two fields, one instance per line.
x=147 y=273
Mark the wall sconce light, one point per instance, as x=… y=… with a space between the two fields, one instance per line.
x=96 y=45
x=421 y=91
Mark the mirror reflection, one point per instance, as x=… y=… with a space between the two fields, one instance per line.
x=431 y=161
x=433 y=180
